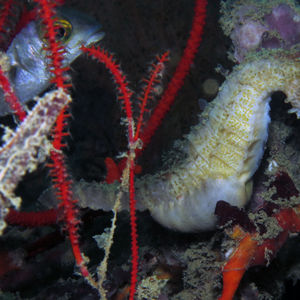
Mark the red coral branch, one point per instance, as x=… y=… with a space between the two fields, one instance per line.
x=124 y=96
x=251 y=249
x=156 y=70
x=47 y=14
x=11 y=98
x=158 y=114
x=9 y=95
x=32 y=219
x=63 y=185
x=176 y=82
x=59 y=173
x=181 y=71
x=237 y=265
x=58 y=169
x=134 y=243
x=113 y=172
x=250 y=252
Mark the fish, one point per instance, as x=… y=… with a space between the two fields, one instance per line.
x=29 y=65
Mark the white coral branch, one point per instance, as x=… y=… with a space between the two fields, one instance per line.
x=27 y=147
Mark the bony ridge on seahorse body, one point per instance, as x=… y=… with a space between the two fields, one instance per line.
x=220 y=154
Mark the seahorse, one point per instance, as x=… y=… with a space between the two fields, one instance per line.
x=220 y=154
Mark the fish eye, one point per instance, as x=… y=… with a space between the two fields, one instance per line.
x=63 y=30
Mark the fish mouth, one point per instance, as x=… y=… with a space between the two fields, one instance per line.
x=94 y=38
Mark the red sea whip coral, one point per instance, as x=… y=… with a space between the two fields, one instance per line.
x=59 y=173
x=160 y=111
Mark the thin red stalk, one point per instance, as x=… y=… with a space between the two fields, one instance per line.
x=158 y=114
x=58 y=171
x=11 y=98
x=63 y=183
x=134 y=243
x=114 y=171
x=181 y=71
x=9 y=95
x=156 y=69
x=32 y=219
x=47 y=13
x=120 y=79
x=124 y=96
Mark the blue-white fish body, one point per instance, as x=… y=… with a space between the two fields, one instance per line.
x=29 y=65
x=29 y=71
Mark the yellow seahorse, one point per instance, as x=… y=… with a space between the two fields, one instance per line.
x=220 y=154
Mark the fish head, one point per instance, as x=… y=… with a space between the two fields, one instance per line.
x=29 y=57
x=74 y=29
